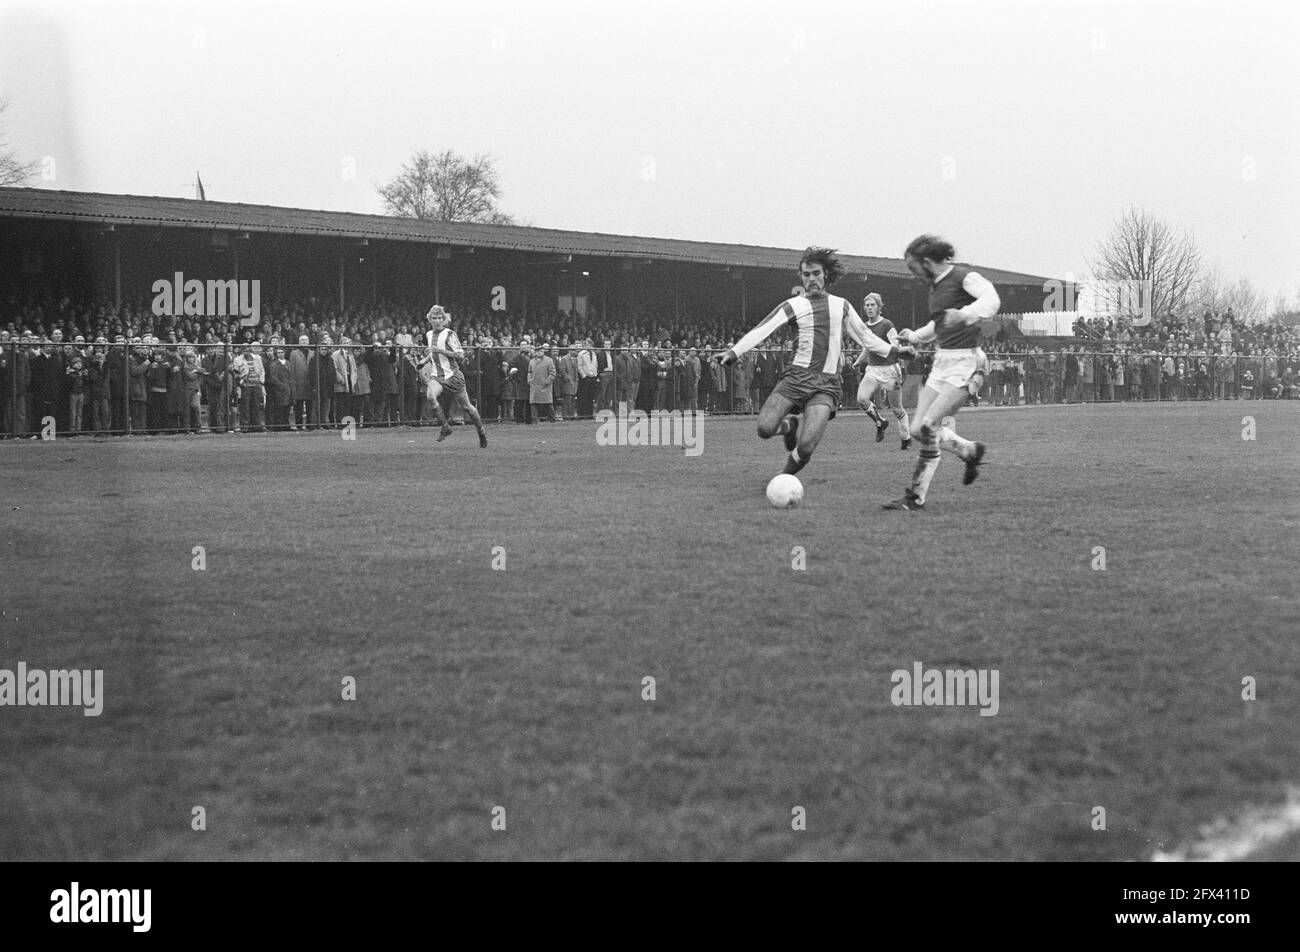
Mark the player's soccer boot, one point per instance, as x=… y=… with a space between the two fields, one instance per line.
x=792 y=436
x=973 y=465
x=444 y=432
x=482 y=439
x=881 y=426
x=907 y=443
x=908 y=501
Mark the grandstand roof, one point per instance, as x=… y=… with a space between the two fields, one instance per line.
x=163 y=212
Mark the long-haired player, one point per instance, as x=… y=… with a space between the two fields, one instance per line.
x=444 y=356
x=959 y=299
x=811 y=382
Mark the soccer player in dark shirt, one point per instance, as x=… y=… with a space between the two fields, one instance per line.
x=959 y=299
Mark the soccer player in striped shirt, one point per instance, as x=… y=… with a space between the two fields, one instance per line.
x=959 y=299
x=811 y=382
x=444 y=357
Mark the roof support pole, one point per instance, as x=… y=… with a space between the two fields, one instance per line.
x=342 y=295
x=117 y=270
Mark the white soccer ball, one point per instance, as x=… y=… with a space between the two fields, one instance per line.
x=784 y=491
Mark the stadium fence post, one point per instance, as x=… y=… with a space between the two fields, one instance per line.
x=126 y=388
x=618 y=352
x=478 y=376
x=671 y=403
x=13 y=389
x=313 y=414
x=225 y=383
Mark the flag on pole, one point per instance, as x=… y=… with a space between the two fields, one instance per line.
x=198 y=188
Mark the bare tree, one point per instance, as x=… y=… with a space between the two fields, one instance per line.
x=1285 y=305
x=446 y=187
x=1214 y=293
x=13 y=171
x=1141 y=247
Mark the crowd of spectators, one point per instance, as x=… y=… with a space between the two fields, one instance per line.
x=95 y=367
x=1025 y=371
x=1222 y=331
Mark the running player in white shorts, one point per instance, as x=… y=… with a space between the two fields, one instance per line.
x=882 y=373
x=444 y=356
x=959 y=299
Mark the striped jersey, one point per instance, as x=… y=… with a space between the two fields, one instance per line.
x=443 y=366
x=883 y=329
x=819 y=320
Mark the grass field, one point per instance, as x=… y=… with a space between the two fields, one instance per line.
x=522 y=688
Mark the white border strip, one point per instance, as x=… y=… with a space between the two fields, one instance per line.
x=1225 y=841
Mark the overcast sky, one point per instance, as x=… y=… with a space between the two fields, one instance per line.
x=1017 y=130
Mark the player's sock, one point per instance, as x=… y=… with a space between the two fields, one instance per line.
x=927 y=461
x=795 y=462
x=444 y=427
x=903 y=422
x=872 y=412
x=950 y=441
x=788 y=428
x=478 y=425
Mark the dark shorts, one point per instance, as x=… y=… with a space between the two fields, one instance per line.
x=805 y=388
x=453 y=385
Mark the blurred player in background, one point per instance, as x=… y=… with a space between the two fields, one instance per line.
x=811 y=381
x=959 y=299
x=444 y=357
x=882 y=373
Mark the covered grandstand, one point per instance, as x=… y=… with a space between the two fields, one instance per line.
x=114 y=247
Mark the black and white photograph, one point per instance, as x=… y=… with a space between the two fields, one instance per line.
x=650 y=432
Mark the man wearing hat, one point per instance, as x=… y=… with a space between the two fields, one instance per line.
x=587 y=381
x=20 y=384
x=76 y=376
x=489 y=363
x=250 y=372
x=44 y=383
x=97 y=385
x=345 y=380
x=139 y=387
x=119 y=385
x=627 y=367
x=320 y=382
x=517 y=375
x=689 y=382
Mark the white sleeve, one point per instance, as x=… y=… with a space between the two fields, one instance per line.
x=923 y=335
x=986 y=301
x=780 y=315
x=453 y=344
x=863 y=334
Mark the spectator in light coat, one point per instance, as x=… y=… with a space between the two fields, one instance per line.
x=299 y=383
x=541 y=379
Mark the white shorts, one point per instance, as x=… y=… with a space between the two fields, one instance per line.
x=889 y=376
x=954 y=367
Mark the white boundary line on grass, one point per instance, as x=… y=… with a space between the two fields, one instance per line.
x=1226 y=841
